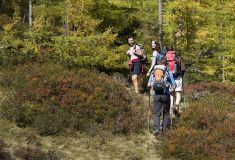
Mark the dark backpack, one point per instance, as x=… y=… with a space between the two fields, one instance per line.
x=159 y=85
x=163 y=51
x=143 y=58
x=181 y=69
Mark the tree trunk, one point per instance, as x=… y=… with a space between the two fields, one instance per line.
x=1 y=3
x=30 y=13
x=160 y=21
x=66 y=23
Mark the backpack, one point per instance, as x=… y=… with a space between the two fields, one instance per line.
x=163 y=51
x=171 y=62
x=159 y=85
x=143 y=58
x=159 y=57
x=181 y=67
x=175 y=64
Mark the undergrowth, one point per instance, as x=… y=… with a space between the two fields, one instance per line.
x=206 y=128
x=53 y=99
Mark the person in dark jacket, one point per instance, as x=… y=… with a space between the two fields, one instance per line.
x=161 y=82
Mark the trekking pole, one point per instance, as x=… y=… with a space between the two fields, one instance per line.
x=149 y=112
x=185 y=101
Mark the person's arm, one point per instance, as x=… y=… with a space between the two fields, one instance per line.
x=138 y=51
x=153 y=62
x=128 y=52
x=171 y=79
x=151 y=80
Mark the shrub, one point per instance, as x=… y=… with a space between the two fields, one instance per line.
x=196 y=89
x=205 y=130
x=52 y=98
x=3 y=154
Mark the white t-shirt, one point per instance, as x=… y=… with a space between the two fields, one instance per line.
x=153 y=60
x=153 y=56
x=131 y=52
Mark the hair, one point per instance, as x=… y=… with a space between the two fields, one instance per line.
x=157 y=44
x=169 y=47
x=130 y=36
x=163 y=61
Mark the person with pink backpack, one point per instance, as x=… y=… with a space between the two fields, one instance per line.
x=175 y=66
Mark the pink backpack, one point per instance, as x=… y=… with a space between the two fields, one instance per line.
x=171 y=62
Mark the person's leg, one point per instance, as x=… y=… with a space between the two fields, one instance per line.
x=172 y=99
x=178 y=98
x=178 y=91
x=149 y=86
x=135 y=73
x=166 y=112
x=157 y=107
x=135 y=83
x=172 y=102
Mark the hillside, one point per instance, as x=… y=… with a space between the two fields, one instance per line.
x=66 y=90
x=202 y=115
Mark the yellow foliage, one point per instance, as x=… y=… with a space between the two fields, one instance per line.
x=210 y=70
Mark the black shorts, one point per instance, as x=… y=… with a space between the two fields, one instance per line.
x=136 y=68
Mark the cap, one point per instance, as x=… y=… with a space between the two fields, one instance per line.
x=161 y=67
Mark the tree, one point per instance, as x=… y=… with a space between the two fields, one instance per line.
x=1 y=2
x=160 y=21
x=30 y=13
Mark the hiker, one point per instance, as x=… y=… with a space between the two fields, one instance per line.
x=135 y=54
x=161 y=82
x=155 y=57
x=177 y=68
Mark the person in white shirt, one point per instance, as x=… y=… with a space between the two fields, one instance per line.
x=135 y=54
x=154 y=56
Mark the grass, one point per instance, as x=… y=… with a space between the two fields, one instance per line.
x=80 y=146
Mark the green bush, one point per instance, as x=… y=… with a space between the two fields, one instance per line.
x=205 y=130
x=51 y=98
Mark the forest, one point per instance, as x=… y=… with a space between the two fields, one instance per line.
x=65 y=85
x=72 y=32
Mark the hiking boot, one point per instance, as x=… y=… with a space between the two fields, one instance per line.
x=175 y=110
x=165 y=132
x=156 y=135
x=137 y=92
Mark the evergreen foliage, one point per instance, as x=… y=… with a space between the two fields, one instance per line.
x=93 y=33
